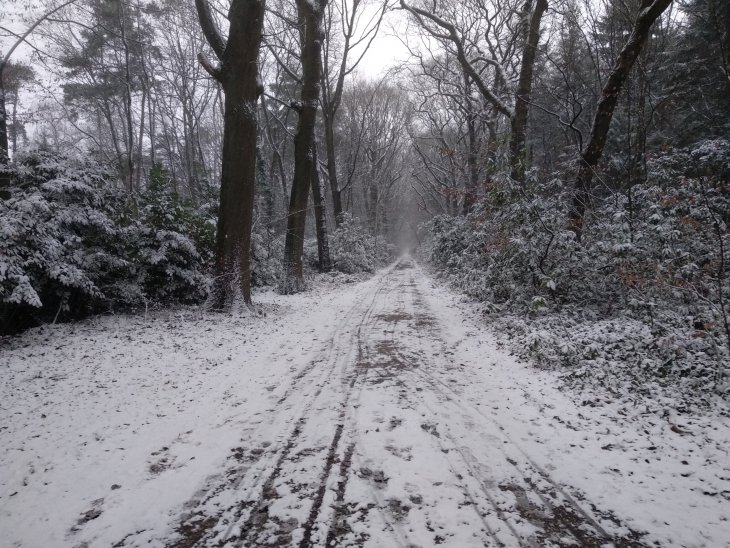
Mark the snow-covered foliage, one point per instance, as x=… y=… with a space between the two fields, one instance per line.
x=354 y=249
x=510 y=251
x=643 y=299
x=170 y=241
x=123 y=439
x=71 y=243
x=624 y=357
x=267 y=250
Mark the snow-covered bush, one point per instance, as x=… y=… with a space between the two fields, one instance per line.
x=71 y=243
x=512 y=249
x=55 y=235
x=655 y=253
x=619 y=357
x=353 y=249
x=666 y=240
x=169 y=242
x=267 y=250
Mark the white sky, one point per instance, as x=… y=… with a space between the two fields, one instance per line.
x=387 y=50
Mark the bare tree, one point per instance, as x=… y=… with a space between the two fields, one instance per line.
x=385 y=117
x=343 y=16
x=238 y=75
x=475 y=58
x=452 y=134
x=181 y=103
x=310 y=16
x=649 y=11
x=4 y=62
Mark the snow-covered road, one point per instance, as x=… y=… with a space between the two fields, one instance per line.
x=378 y=414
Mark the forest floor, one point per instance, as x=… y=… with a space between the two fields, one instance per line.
x=378 y=413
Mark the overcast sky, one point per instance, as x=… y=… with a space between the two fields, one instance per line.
x=387 y=49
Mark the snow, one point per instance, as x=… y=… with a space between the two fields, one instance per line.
x=380 y=413
x=663 y=475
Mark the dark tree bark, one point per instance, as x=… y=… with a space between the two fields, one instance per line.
x=311 y=14
x=523 y=93
x=3 y=122
x=4 y=156
x=320 y=219
x=472 y=160
x=238 y=75
x=329 y=136
x=649 y=12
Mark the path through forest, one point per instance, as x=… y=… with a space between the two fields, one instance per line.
x=378 y=445
x=392 y=424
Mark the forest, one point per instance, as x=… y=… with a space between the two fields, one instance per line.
x=567 y=158
x=561 y=167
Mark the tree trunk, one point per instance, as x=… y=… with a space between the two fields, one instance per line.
x=311 y=13
x=129 y=164
x=113 y=133
x=649 y=12
x=14 y=122
x=151 y=131
x=233 y=239
x=329 y=131
x=371 y=206
x=239 y=77
x=4 y=155
x=523 y=93
x=320 y=216
x=472 y=160
x=140 y=139
x=276 y=159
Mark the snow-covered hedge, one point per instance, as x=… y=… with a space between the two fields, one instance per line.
x=657 y=253
x=353 y=249
x=72 y=243
x=267 y=250
x=170 y=241
x=512 y=250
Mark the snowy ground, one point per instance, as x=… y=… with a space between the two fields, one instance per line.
x=373 y=414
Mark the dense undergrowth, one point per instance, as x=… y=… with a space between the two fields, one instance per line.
x=353 y=250
x=73 y=242
x=638 y=307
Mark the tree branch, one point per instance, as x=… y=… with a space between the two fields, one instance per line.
x=29 y=30
x=210 y=29
x=467 y=67
x=214 y=71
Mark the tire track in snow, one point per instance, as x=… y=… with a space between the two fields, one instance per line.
x=241 y=505
x=338 y=521
x=197 y=524
x=340 y=353
x=397 y=531
x=412 y=370
x=348 y=424
x=556 y=520
x=570 y=515
x=357 y=448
